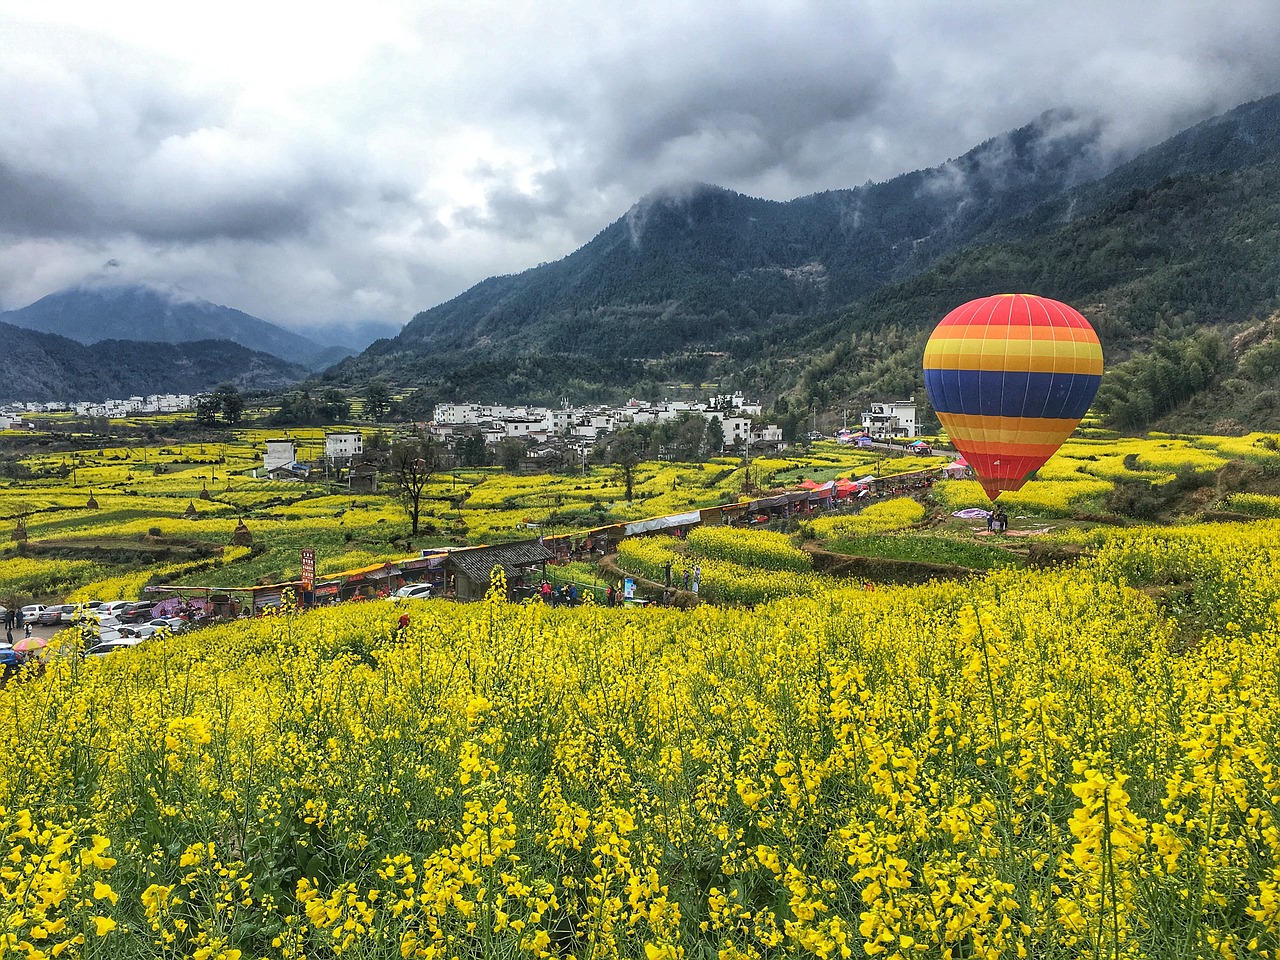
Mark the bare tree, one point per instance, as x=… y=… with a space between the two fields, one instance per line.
x=412 y=464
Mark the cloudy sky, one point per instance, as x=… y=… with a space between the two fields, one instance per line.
x=317 y=168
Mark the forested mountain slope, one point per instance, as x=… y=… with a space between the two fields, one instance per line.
x=41 y=367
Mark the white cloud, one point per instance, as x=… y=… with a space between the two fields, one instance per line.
x=316 y=164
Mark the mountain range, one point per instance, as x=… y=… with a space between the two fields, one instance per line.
x=44 y=366
x=692 y=266
x=99 y=310
x=828 y=298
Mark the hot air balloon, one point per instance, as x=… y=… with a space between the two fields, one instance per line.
x=1010 y=376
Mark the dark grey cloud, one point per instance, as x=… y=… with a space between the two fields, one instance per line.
x=315 y=170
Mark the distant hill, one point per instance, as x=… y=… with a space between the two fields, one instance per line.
x=693 y=267
x=1156 y=271
x=827 y=300
x=99 y=311
x=44 y=366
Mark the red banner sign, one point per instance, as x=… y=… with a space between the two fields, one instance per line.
x=308 y=569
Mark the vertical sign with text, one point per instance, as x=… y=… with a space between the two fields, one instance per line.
x=308 y=570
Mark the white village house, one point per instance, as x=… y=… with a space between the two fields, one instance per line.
x=279 y=453
x=886 y=420
x=343 y=446
x=588 y=424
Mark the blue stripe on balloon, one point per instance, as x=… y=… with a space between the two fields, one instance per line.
x=1003 y=393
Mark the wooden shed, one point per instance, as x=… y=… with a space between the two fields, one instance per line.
x=469 y=568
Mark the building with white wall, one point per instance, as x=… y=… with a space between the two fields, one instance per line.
x=280 y=453
x=885 y=420
x=343 y=446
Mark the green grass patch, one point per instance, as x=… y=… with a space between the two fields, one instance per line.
x=920 y=548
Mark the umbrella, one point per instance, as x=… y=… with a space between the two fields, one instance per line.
x=27 y=644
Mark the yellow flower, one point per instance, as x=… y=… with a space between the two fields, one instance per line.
x=103 y=925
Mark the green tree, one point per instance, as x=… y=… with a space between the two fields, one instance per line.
x=626 y=451
x=377 y=400
x=469 y=449
x=715 y=436
x=207 y=408
x=690 y=437
x=511 y=454
x=230 y=402
x=333 y=406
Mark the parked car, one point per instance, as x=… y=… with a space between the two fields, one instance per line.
x=110 y=646
x=57 y=613
x=175 y=624
x=137 y=612
x=113 y=608
x=142 y=631
x=31 y=612
x=413 y=591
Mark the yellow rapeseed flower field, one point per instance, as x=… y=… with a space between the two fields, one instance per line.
x=1076 y=762
x=1039 y=763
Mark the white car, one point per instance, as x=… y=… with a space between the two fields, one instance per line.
x=142 y=630
x=110 y=646
x=413 y=591
x=169 y=623
x=31 y=612
x=112 y=609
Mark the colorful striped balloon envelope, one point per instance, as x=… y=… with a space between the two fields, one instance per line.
x=1009 y=377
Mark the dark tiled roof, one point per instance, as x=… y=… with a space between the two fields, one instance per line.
x=476 y=563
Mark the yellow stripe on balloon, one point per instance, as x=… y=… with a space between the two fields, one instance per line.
x=1032 y=431
x=1030 y=356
